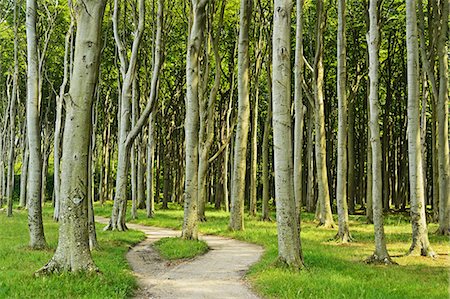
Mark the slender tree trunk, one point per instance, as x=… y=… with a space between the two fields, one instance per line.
x=240 y=146
x=418 y=218
x=299 y=109
x=72 y=253
x=442 y=116
x=341 y=192
x=325 y=214
x=288 y=226
x=37 y=238
x=150 y=197
x=191 y=124
x=265 y=152
x=380 y=254
x=24 y=174
x=310 y=184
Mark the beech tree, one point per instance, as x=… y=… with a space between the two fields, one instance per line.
x=289 y=246
x=73 y=253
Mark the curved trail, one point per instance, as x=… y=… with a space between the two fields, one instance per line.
x=216 y=274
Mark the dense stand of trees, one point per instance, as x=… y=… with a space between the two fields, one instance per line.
x=202 y=104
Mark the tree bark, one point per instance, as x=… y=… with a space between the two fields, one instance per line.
x=288 y=226
x=240 y=146
x=34 y=182
x=341 y=193
x=72 y=253
x=380 y=254
x=191 y=123
x=442 y=116
x=420 y=240
x=325 y=214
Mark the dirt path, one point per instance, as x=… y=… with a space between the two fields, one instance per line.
x=216 y=274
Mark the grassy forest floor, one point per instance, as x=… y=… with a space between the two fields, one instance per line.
x=332 y=270
x=18 y=263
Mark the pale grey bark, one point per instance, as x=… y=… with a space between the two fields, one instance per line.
x=299 y=109
x=442 y=117
x=310 y=182
x=34 y=182
x=128 y=68
x=191 y=124
x=380 y=254
x=341 y=193
x=243 y=124
x=325 y=214
x=265 y=150
x=73 y=253
x=288 y=226
x=420 y=240
x=12 y=116
x=24 y=174
x=150 y=196
x=58 y=121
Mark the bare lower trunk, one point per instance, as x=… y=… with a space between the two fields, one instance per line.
x=24 y=175
x=310 y=186
x=37 y=238
x=442 y=116
x=192 y=120
x=265 y=153
x=288 y=226
x=150 y=197
x=240 y=145
x=73 y=253
x=341 y=193
x=420 y=240
x=325 y=214
x=380 y=254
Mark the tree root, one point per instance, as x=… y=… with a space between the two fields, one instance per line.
x=343 y=238
x=54 y=267
x=376 y=260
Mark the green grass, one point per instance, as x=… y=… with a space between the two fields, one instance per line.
x=18 y=264
x=177 y=248
x=332 y=270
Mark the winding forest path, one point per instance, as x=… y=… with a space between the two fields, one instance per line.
x=216 y=274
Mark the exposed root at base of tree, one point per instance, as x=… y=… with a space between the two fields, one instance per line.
x=326 y=225
x=202 y=219
x=283 y=264
x=418 y=251
x=54 y=267
x=119 y=228
x=268 y=219
x=343 y=238
x=376 y=260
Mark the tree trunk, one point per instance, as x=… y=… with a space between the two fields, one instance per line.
x=37 y=238
x=265 y=152
x=380 y=254
x=240 y=146
x=442 y=116
x=420 y=240
x=341 y=193
x=150 y=196
x=288 y=226
x=72 y=253
x=24 y=174
x=325 y=214
x=310 y=184
x=191 y=124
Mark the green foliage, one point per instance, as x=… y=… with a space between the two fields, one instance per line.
x=177 y=248
x=332 y=270
x=18 y=263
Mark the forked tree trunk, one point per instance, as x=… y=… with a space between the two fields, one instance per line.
x=37 y=238
x=380 y=254
x=288 y=226
x=420 y=240
x=73 y=253
x=243 y=124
